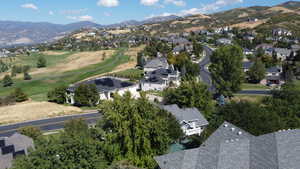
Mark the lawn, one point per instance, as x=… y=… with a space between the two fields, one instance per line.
x=250 y=98
x=132 y=74
x=39 y=86
x=249 y=86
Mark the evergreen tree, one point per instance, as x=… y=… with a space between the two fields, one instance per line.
x=19 y=95
x=86 y=95
x=41 y=62
x=226 y=69
x=7 y=81
x=3 y=67
x=257 y=72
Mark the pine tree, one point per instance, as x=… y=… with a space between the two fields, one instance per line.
x=7 y=81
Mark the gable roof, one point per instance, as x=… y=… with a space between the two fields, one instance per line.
x=232 y=148
x=186 y=114
x=157 y=63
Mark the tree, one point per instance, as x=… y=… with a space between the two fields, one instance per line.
x=226 y=69
x=57 y=95
x=41 y=62
x=27 y=76
x=251 y=117
x=86 y=95
x=140 y=60
x=19 y=95
x=198 y=49
x=257 y=71
x=134 y=130
x=30 y=131
x=7 y=81
x=190 y=94
x=3 y=67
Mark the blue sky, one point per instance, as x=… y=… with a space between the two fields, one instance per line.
x=113 y=11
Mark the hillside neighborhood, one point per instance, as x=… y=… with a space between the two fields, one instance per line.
x=193 y=91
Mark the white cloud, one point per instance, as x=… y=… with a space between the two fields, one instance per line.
x=176 y=2
x=162 y=15
x=81 y=18
x=205 y=9
x=149 y=2
x=30 y=6
x=51 y=13
x=108 y=3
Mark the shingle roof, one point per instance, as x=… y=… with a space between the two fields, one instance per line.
x=274 y=69
x=15 y=145
x=104 y=84
x=157 y=63
x=247 y=65
x=186 y=114
x=232 y=148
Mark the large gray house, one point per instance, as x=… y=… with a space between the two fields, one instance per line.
x=13 y=146
x=106 y=87
x=156 y=63
x=191 y=120
x=230 y=147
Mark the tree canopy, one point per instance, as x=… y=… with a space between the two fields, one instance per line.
x=226 y=69
x=134 y=130
x=257 y=72
x=86 y=95
x=190 y=94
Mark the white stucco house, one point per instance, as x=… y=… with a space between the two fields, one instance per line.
x=191 y=120
x=106 y=87
x=160 y=79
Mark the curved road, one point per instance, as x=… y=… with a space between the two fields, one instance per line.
x=206 y=77
x=49 y=124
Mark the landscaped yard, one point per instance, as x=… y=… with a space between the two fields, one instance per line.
x=251 y=98
x=38 y=87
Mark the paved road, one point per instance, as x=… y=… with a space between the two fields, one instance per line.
x=49 y=124
x=204 y=72
x=206 y=76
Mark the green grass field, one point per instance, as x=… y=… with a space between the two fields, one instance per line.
x=38 y=87
x=249 y=86
x=132 y=74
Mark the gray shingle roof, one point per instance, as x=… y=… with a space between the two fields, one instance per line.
x=186 y=114
x=13 y=145
x=226 y=148
x=157 y=63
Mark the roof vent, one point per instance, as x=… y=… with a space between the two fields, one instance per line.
x=231 y=140
x=236 y=139
x=232 y=129
x=225 y=125
x=240 y=133
x=227 y=141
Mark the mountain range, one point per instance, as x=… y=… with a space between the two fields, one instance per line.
x=19 y=33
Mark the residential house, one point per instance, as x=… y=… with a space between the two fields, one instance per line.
x=247 y=65
x=224 y=41
x=273 y=76
x=178 y=49
x=282 y=53
x=156 y=63
x=230 y=147
x=12 y=147
x=160 y=79
x=281 y=32
x=106 y=88
x=295 y=48
x=191 y=120
x=247 y=52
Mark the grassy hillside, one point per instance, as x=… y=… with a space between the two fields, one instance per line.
x=41 y=83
